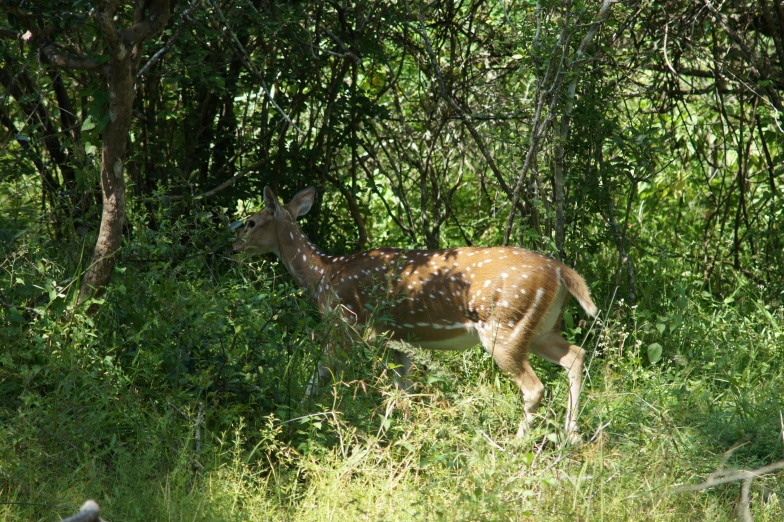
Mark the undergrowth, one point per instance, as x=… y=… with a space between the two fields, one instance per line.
x=184 y=399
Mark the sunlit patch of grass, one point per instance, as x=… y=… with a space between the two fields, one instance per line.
x=190 y=406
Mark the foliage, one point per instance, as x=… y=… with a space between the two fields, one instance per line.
x=183 y=396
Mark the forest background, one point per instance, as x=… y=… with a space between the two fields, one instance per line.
x=640 y=142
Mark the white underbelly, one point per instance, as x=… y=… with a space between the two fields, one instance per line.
x=467 y=340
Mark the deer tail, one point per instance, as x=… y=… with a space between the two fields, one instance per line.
x=577 y=287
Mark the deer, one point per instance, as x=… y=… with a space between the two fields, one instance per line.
x=508 y=299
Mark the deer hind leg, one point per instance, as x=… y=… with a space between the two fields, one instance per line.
x=533 y=391
x=554 y=348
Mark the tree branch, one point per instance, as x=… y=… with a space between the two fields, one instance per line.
x=159 y=16
x=726 y=476
x=165 y=49
x=67 y=61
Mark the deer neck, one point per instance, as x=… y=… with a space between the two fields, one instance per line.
x=304 y=261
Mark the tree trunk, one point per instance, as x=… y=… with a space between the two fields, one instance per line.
x=115 y=136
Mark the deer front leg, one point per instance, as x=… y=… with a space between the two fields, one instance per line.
x=402 y=364
x=322 y=372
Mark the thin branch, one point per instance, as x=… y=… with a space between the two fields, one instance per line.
x=246 y=58
x=165 y=49
x=727 y=476
x=465 y=118
x=226 y=184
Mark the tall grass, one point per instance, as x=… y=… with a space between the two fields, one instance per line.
x=183 y=399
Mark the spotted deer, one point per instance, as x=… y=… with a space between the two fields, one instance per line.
x=507 y=299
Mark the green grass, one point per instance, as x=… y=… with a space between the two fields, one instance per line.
x=183 y=399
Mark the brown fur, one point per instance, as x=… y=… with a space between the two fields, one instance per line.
x=509 y=299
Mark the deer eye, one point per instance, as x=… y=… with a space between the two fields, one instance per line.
x=251 y=223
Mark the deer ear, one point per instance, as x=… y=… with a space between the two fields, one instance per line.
x=271 y=201
x=300 y=204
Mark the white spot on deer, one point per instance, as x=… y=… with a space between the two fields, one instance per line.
x=423 y=324
x=487 y=282
x=437 y=326
x=432 y=296
x=504 y=303
x=504 y=275
x=304 y=257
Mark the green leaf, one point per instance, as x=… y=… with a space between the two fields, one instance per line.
x=660 y=327
x=88 y=124
x=528 y=458
x=654 y=352
x=568 y=320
